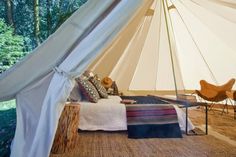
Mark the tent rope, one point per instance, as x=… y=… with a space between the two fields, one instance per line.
x=195 y=43
x=224 y=3
x=215 y=13
x=206 y=25
x=64 y=73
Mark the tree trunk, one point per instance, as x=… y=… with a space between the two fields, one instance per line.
x=9 y=13
x=66 y=135
x=36 y=21
x=49 y=18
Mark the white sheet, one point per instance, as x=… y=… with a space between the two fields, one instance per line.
x=110 y=115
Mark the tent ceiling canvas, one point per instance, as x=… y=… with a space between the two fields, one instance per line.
x=203 y=43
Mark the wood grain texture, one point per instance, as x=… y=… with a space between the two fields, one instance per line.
x=66 y=135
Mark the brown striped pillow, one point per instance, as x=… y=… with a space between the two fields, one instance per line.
x=88 y=90
x=100 y=88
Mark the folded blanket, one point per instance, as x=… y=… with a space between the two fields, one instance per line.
x=128 y=101
x=152 y=120
x=145 y=99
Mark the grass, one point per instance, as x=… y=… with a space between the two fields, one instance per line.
x=7 y=126
x=7 y=105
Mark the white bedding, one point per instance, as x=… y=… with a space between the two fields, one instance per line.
x=110 y=115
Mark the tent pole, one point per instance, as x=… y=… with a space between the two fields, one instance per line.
x=171 y=51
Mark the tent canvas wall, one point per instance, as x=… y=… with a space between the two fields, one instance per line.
x=142 y=44
x=202 y=40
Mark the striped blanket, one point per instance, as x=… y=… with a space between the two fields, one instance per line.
x=152 y=120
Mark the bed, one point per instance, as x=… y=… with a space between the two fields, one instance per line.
x=110 y=115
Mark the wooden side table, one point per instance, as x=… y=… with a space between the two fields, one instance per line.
x=66 y=134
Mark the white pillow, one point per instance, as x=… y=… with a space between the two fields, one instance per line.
x=75 y=94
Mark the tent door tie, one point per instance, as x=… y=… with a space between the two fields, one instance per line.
x=63 y=73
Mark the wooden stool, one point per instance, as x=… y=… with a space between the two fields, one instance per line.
x=66 y=134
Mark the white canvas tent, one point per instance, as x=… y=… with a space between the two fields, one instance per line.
x=202 y=35
x=142 y=44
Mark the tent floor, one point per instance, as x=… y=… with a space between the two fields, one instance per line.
x=221 y=141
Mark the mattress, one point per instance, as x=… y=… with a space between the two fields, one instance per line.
x=110 y=115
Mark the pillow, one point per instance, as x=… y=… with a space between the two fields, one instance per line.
x=88 y=73
x=100 y=88
x=107 y=82
x=115 y=88
x=75 y=94
x=88 y=90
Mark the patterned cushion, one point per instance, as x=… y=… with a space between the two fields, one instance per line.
x=88 y=90
x=100 y=88
x=88 y=73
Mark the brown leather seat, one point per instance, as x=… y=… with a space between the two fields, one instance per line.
x=214 y=93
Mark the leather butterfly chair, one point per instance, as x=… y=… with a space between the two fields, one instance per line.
x=215 y=93
x=232 y=95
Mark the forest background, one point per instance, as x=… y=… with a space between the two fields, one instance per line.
x=25 y=24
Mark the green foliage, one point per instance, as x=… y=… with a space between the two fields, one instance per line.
x=6 y=105
x=23 y=17
x=7 y=126
x=11 y=46
x=51 y=14
x=60 y=11
x=2 y=9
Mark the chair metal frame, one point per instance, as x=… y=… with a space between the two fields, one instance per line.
x=232 y=97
